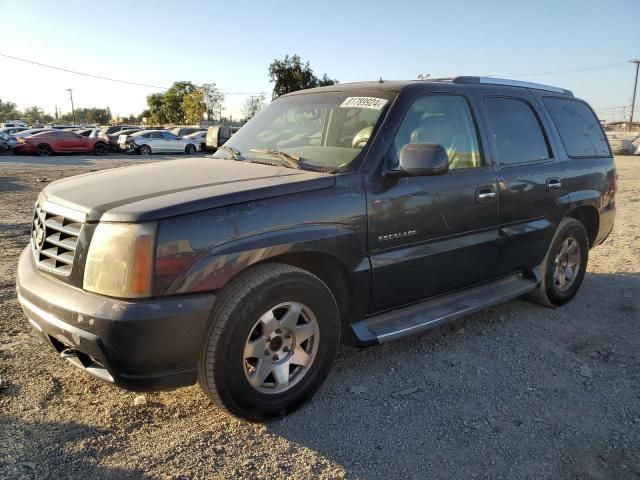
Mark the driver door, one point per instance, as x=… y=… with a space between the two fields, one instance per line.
x=430 y=235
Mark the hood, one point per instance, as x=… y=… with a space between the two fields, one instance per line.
x=168 y=188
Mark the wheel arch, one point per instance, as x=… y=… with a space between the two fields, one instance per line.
x=590 y=219
x=327 y=268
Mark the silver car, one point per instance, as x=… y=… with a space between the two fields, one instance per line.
x=147 y=142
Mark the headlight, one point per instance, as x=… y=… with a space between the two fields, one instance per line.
x=120 y=260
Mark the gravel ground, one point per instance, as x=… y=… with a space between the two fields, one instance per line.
x=517 y=391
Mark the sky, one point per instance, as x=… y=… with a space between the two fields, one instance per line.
x=583 y=45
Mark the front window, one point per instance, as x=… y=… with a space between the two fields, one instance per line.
x=315 y=131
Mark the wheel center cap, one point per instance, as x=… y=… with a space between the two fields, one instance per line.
x=275 y=344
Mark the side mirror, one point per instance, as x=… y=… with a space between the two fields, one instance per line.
x=422 y=159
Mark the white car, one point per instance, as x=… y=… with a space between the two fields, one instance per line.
x=147 y=142
x=199 y=138
x=13 y=123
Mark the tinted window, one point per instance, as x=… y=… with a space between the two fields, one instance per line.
x=579 y=129
x=516 y=131
x=169 y=136
x=155 y=135
x=445 y=120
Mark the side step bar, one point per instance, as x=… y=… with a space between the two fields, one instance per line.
x=421 y=316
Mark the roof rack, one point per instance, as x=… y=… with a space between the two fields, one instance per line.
x=511 y=83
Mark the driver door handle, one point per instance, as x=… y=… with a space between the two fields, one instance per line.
x=486 y=195
x=553 y=184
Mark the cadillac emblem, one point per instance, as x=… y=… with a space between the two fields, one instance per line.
x=39 y=233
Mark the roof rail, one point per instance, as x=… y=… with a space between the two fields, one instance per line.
x=511 y=83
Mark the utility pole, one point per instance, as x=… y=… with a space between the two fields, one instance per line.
x=633 y=98
x=73 y=111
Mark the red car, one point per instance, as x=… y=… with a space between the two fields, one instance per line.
x=59 y=141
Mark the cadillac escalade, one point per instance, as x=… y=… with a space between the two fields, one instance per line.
x=363 y=212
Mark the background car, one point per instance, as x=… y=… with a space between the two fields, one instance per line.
x=8 y=131
x=199 y=138
x=182 y=131
x=147 y=142
x=85 y=132
x=59 y=141
x=109 y=130
x=217 y=135
x=114 y=146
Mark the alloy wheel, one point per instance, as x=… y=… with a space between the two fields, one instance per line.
x=566 y=264
x=281 y=347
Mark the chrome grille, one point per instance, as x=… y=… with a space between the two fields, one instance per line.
x=54 y=238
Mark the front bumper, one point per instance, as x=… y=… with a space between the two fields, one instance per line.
x=147 y=345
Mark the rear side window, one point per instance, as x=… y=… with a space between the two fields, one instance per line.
x=516 y=131
x=579 y=129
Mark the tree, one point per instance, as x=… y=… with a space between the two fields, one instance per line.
x=290 y=75
x=33 y=115
x=172 y=101
x=253 y=105
x=8 y=111
x=213 y=99
x=156 y=114
x=194 y=106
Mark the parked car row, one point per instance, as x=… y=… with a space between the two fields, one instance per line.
x=50 y=140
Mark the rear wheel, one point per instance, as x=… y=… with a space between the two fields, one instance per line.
x=145 y=150
x=100 y=149
x=44 y=150
x=190 y=149
x=564 y=266
x=273 y=337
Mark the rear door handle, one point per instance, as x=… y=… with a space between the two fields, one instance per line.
x=553 y=184
x=486 y=195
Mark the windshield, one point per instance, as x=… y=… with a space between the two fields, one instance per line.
x=320 y=131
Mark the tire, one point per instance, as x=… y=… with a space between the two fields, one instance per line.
x=272 y=383
x=190 y=149
x=44 y=150
x=145 y=150
x=559 y=282
x=100 y=149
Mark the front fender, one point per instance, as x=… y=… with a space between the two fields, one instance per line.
x=213 y=270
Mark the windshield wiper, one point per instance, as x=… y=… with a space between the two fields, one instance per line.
x=233 y=153
x=292 y=161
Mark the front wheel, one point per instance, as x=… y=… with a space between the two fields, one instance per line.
x=272 y=341
x=190 y=149
x=564 y=266
x=145 y=150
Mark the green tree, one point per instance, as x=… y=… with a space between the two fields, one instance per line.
x=156 y=114
x=290 y=75
x=213 y=99
x=33 y=115
x=8 y=111
x=253 y=105
x=172 y=101
x=194 y=106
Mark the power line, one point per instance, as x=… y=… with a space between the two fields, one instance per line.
x=100 y=77
x=81 y=73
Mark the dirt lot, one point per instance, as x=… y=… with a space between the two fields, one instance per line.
x=518 y=391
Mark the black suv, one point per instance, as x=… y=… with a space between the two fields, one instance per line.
x=366 y=211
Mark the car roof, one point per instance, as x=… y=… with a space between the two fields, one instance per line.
x=394 y=86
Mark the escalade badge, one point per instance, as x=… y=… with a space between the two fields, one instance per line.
x=39 y=233
x=394 y=236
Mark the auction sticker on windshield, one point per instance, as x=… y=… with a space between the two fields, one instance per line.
x=364 y=102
